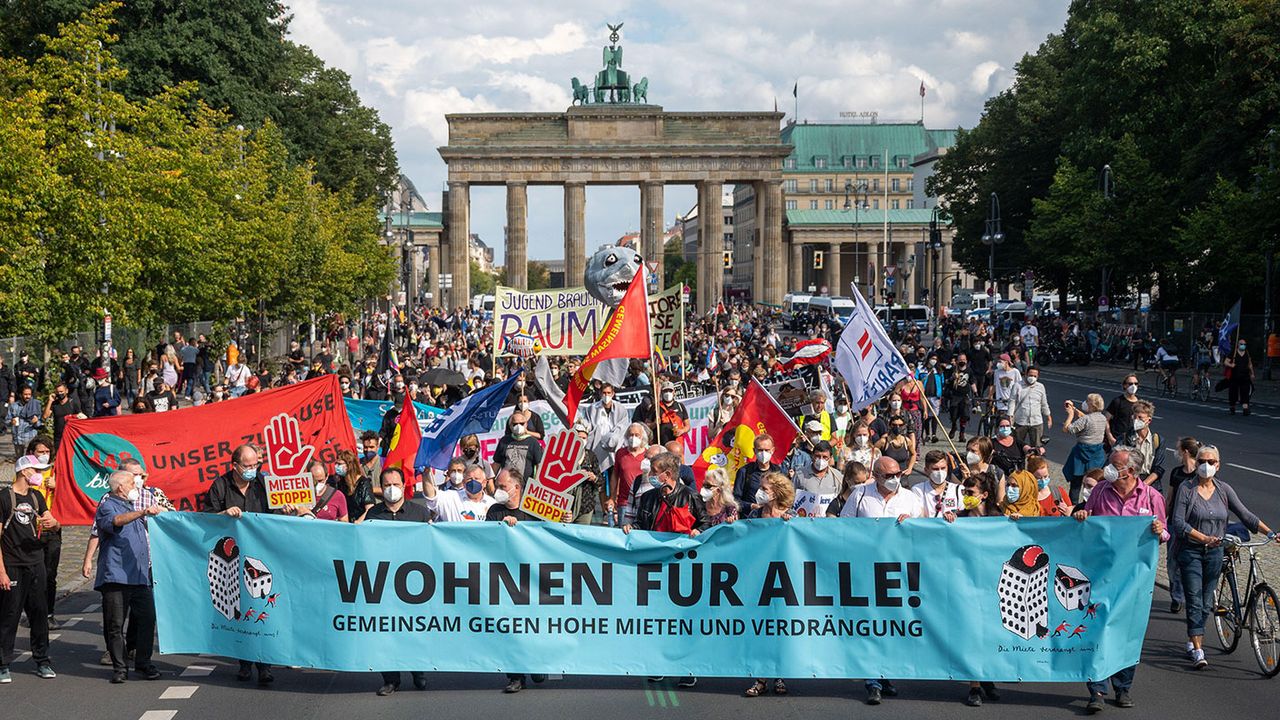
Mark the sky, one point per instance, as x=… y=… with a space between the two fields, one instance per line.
x=416 y=61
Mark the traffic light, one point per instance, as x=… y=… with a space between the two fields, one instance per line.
x=728 y=260
x=818 y=258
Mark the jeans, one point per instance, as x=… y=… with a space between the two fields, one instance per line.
x=1200 y=567
x=52 y=557
x=877 y=684
x=1175 y=575
x=393 y=678
x=26 y=593
x=1121 y=681
x=137 y=604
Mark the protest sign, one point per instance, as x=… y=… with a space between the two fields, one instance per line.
x=367 y=414
x=564 y=321
x=666 y=320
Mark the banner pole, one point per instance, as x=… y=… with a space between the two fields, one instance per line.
x=657 y=407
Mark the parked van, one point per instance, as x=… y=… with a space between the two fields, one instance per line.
x=840 y=307
x=917 y=316
x=794 y=306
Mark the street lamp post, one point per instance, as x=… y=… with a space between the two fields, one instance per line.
x=994 y=235
x=1108 y=194
x=855 y=197
x=935 y=250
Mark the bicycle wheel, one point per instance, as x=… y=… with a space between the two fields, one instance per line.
x=1226 y=620
x=1264 y=630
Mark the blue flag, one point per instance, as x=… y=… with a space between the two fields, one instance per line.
x=1229 y=325
x=476 y=413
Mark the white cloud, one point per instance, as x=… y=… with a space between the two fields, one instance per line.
x=980 y=78
x=967 y=42
x=426 y=109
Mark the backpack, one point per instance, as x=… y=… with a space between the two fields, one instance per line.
x=673 y=519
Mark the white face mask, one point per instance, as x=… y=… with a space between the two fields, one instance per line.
x=1084 y=493
x=43 y=458
x=608 y=399
x=139 y=481
x=393 y=494
x=1031 y=380
x=764 y=456
x=842 y=409
x=972 y=458
x=455 y=477
x=820 y=464
x=667 y=396
x=762 y=497
x=524 y=407
x=937 y=477
x=501 y=497
x=1205 y=470
x=1139 y=424
x=707 y=493
x=1110 y=473
x=1131 y=389
x=517 y=429
x=862 y=440
x=134 y=495
x=892 y=484
x=635 y=441
x=895 y=405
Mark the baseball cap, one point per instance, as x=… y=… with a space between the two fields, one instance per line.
x=1005 y=357
x=29 y=461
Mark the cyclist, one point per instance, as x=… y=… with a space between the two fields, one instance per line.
x=1199 y=520
x=1168 y=362
x=1202 y=360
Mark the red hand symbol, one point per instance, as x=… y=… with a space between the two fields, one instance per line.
x=557 y=471
x=285 y=451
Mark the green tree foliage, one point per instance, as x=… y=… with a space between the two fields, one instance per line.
x=482 y=283
x=1172 y=94
x=159 y=210
x=539 y=276
x=238 y=54
x=674 y=267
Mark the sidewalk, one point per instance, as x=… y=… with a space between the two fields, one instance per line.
x=1266 y=393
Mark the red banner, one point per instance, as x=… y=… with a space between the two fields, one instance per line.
x=184 y=450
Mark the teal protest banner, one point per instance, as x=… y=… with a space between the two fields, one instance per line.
x=990 y=599
x=367 y=414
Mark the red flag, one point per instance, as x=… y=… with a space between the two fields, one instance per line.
x=403 y=449
x=625 y=335
x=809 y=352
x=734 y=446
x=921 y=88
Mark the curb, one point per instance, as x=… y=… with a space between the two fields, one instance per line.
x=1052 y=372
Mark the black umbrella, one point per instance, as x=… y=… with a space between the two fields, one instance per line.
x=442 y=376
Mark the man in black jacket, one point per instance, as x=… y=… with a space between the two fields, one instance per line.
x=673 y=501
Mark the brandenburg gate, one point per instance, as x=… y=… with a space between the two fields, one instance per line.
x=608 y=138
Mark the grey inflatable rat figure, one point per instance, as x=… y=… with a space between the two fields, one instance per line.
x=609 y=273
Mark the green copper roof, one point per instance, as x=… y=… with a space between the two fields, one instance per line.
x=811 y=218
x=417 y=219
x=835 y=142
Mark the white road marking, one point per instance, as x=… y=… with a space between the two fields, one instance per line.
x=22 y=657
x=1208 y=427
x=54 y=636
x=95 y=607
x=1260 y=472
x=1158 y=400
x=71 y=622
x=158 y=715
x=197 y=671
x=179 y=692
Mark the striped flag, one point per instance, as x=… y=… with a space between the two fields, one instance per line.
x=866 y=357
x=809 y=352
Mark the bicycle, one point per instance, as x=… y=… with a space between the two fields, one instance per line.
x=1202 y=385
x=1259 y=612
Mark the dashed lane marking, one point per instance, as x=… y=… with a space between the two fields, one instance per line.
x=1210 y=427
x=95 y=607
x=158 y=715
x=197 y=671
x=72 y=622
x=1260 y=472
x=54 y=636
x=179 y=692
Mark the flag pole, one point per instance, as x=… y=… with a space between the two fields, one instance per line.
x=657 y=408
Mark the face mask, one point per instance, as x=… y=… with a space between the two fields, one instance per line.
x=707 y=493
x=1110 y=473
x=1241 y=347
x=455 y=478
x=1004 y=431
x=139 y=481
x=474 y=487
x=1084 y=493
x=972 y=458
x=1139 y=424
x=501 y=497
x=1205 y=470
x=970 y=501
x=35 y=480
x=1131 y=389
x=764 y=456
x=470 y=452
x=319 y=486
x=667 y=397
x=977 y=346
x=1012 y=493
x=655 y=481
x=134 y=495
x=1042 y=482
x=892 y=484
x=368 y=455
x=895 y=405
x=1031 y=380
x=43 y=458
x=933 y=361
x=820 y=464
x=962 y=365
x=249 y=473
x=608 y=399
x=762 y=497
x=862 y=440
x=937 y=477
x=524 y=407
x=517 y=430
x=842 y=409
x=393 y=494
x=400 y=386
x=635 y=441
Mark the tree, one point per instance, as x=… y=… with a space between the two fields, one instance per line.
x=482 y=283
x=539 y=276
x=673 y=262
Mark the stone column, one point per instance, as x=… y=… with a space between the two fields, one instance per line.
x=575 y=233
x=651 y=225
x=433 y=275
x=833 y=269
x=758 y=274
x=459 y=243
x=945 y=268
x=797 y=266
x=711 y=244
x=771 y=231
x=517 y=255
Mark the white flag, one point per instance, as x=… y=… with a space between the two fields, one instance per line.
x=866 y=357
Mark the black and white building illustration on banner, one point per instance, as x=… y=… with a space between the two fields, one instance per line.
x=1024 y=592
x=1071 y=587
x=224 y=578
x=257 y=578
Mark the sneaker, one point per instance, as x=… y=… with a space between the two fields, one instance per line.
x=387 y=689
x=1095 y=704
x=119 y=677
x=265 y=677
x=150 y=673
x=1175 y=607
x=45 y=672
x=538 y=678
x=1191 y=651
x=105 y=660
x=989 y=689
x=1123 y=700
x=245 y=674
x=890 y=690
x=514 y=686
x=873 y=696
x=420 y=682
x=687 y=682
x=975 y=698
x=53 y=623
x=5 y=676
x=1197 y=660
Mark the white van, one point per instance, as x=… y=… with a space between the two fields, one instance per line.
x=917 y=316
x=794 y=305
x=840 y=307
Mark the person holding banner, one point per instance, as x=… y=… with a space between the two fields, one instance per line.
x=471 y=504
x=717 y=495
x=780 y=498
x=354 y=486
x=746 y=485
x=394 y=508
x=978 y=497
x=506 y=508
x=626 y=471
x=330 y=504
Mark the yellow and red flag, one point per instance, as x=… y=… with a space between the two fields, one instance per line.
x=625 y=335
x=734 y=446
x=403 y=448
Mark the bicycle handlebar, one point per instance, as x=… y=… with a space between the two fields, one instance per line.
x=1237 y=542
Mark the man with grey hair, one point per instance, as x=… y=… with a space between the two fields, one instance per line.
x=124 y=575
x=672 y=506
x=626 y=471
